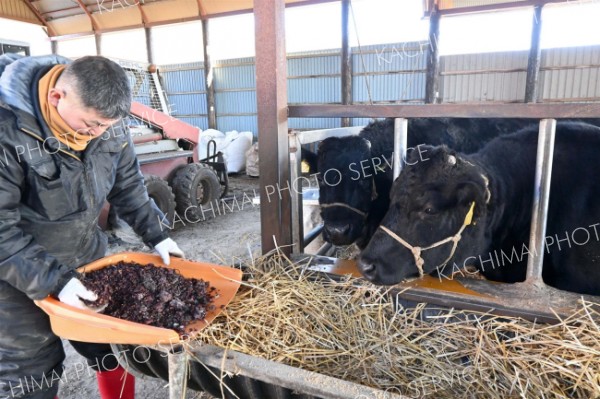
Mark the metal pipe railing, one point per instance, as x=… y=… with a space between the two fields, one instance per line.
x=541 y=198
x=400 y=144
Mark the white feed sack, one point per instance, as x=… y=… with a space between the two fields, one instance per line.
x=232 y=144
x=252 y=161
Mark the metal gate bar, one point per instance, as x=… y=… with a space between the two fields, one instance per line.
x=532 y=111
x=541 y=198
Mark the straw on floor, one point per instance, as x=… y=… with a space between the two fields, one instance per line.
x=351 y=330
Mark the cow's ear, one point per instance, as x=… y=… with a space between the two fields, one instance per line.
x=468 y=192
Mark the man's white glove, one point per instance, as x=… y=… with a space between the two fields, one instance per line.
x=168 y=247
x=73 y=293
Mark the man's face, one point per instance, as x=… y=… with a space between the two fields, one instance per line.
x=79 y=118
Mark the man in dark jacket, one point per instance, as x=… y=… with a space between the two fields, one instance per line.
x=63 y=151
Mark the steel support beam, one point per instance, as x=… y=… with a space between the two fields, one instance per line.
x=346 y=61
x=40 y=17
x=497 y=7
x=98 y=40
x=535 y=58
x=533 y=111
x=432 y=77
x=149 y=45
x=211 y=109
x=271 y=95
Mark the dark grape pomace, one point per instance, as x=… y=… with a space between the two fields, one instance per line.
x=150 y=295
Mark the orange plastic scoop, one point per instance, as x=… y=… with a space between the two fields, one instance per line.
x=84 y=325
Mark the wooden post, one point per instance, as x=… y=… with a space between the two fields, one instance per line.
x=346 y=61
x=433 y=61
x=211 y=110
x=535 y=57
x=271 y=95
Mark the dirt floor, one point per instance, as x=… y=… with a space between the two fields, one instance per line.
x=224 y=239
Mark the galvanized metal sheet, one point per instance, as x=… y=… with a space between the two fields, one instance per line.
x=188 y=80
x=233 y=76
x=384 y=74
x=495 y=77
x=187 y=104
x=232 y=102
x=317 y=90
x=570 y=74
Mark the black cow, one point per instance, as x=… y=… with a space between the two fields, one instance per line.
x=484 y=201
x=355 y=172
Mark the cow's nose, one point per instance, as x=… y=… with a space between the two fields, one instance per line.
x=337 y=230
x=367 y=268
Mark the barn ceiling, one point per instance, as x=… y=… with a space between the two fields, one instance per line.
x=69 y=18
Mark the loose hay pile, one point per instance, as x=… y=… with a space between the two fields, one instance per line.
x=349 y=330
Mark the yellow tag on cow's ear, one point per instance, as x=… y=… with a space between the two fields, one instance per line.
x=469 y=217
x=304 y=167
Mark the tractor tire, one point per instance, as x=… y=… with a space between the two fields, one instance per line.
x=197 y=189
x=160 y=191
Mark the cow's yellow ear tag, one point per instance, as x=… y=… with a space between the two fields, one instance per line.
x=469 y=217
x=304 y=167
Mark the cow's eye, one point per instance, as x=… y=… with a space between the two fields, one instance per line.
x=430 y=210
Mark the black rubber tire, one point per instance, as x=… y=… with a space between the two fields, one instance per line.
x=162 y=194
x=195 y=187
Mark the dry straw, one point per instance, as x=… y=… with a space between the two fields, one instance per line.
x=351 y=330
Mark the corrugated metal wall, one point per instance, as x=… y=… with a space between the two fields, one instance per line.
x=186 y=90
x=567 y=74
x=235 y=95
x=570 y=74
x=314 y=78
x=382 y=74
x=491 y=77
x=388 y=74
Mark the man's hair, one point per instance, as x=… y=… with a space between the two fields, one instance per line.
x=101 y=84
